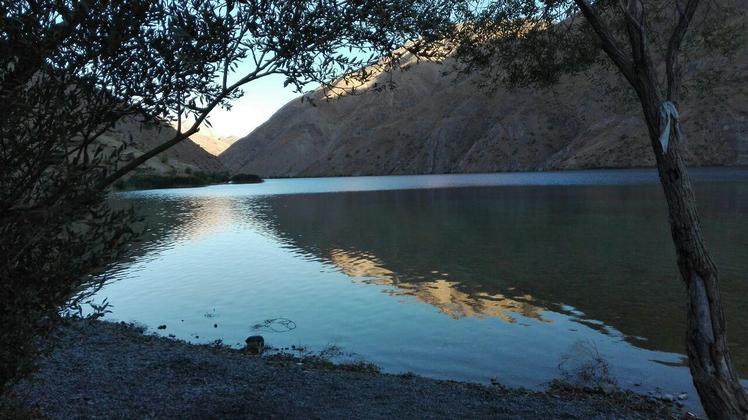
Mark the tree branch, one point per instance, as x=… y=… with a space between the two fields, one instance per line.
x=634 y=14
x=256 y=74
x=609 y=44
x=673 y=68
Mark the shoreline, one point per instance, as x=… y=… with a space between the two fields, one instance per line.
x=518 y=171
x=114 y=370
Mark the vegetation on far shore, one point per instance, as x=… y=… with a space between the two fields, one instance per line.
x=186 y=180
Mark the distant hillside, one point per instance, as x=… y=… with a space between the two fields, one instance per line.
x=185 y=157
x=211 y=142
x=432 y=124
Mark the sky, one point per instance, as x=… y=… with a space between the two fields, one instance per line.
x=261 y=99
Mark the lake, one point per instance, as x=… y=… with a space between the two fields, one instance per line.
x=513 y=278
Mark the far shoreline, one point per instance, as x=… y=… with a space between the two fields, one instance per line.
x=538 y=171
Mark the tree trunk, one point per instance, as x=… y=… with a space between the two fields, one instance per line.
x=706 y=342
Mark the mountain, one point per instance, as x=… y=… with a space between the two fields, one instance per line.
x=211 y=141
x=432 y=123
x=184 y=157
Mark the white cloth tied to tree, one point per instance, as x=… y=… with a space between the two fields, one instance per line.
x=669 y=114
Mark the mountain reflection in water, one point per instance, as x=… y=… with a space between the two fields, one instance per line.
x=605 y=251
x=441 y=293
x=513 y=276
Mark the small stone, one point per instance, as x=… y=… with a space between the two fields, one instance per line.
x=255 y=344
x=215 y=325
x=161 y=327
x=668 y=397
x=683 y=396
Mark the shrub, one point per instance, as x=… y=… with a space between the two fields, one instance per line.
x=246 y=179
x=153 y=181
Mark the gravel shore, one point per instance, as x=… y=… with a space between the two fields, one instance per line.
x=107 y=370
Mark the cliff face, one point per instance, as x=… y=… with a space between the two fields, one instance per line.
x=433 y=124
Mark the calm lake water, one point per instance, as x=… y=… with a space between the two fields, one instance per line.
x=510 y=277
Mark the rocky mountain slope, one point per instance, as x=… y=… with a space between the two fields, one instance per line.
x=212 y=142
x=184 y=157
x=434 y=124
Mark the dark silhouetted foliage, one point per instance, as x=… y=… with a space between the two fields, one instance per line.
x=153 y=181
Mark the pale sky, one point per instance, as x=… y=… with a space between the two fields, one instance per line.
x=260 y=101
x=262 y=98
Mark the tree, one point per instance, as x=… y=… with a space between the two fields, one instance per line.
x=72 y=70
x=528 y=42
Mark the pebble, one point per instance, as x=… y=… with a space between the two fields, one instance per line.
x=683 y=396
x=668 y=397
x=161 y=327
x=255 y=344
